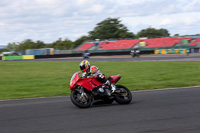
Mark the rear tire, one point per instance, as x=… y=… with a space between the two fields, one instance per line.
x=125 y=96
x=80 y=101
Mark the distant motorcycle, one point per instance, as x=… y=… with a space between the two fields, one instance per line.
x=135 y=53
x=86 y=55
x=88 y=91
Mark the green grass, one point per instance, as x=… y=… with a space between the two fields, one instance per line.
x=44 y=79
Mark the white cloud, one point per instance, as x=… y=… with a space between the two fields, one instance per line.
x=96 y=8
x=47 y=20
x=2 y=24
x=176 y=23
x=47 y=2
x=82 y=2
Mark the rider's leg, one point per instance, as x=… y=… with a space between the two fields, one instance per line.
x=103 y=79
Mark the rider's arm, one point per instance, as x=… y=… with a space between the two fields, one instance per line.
x=85 y=74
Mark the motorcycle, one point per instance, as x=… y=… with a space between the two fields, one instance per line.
x=86 y=55
x=88 y=91
x=135 y=53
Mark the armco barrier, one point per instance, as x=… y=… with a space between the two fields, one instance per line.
x=163 y=51
x=23 y=57
x=170 y=51
x=91 y=54
x=156 y=51
x=12 y=57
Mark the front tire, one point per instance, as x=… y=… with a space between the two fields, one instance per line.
x=79 y=100
x=124 y=95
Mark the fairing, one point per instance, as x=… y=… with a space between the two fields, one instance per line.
x=115 y=79
x=90 y=82
x=74 y=79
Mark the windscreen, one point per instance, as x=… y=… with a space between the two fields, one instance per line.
x=74 y=78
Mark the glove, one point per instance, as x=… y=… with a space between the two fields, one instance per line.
x=84 y=74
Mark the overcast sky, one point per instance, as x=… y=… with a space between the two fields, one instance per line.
x=48 y=20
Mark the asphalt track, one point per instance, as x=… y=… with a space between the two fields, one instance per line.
x=158 y=111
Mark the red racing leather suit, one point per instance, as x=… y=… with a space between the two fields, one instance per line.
x=94 y=71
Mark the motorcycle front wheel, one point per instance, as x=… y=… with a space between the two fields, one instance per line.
x=124 y=95
x=80 y=100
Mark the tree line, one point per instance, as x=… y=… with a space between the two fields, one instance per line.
x=110 y=28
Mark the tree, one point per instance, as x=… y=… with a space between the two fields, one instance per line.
x=176 y=35
x=29 y=44
x=67 y=44
x=39 y=44
x=80 y=40
x=110 y=28
x=3 y=50
x=164 y=32
x=11 y=46
x=62 y=45
x=190 y=35
x=152 y=33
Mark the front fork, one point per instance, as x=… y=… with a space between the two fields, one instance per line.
x=83 y=95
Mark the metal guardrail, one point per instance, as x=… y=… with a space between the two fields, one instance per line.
x=23 y=57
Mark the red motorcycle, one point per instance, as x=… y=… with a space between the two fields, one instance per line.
x=88 y=91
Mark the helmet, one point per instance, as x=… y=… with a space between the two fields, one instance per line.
x=85 y=66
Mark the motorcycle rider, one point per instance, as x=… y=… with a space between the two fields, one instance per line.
x=88 y=70
x=135 y=51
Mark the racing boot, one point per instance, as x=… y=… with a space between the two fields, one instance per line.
x=111 y=86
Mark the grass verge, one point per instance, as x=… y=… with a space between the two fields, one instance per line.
x=44 y=79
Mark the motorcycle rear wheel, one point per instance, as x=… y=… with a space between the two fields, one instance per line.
x=80 y=101
x=125 y=96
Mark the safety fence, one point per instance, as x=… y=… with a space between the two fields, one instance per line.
x=23 y=57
